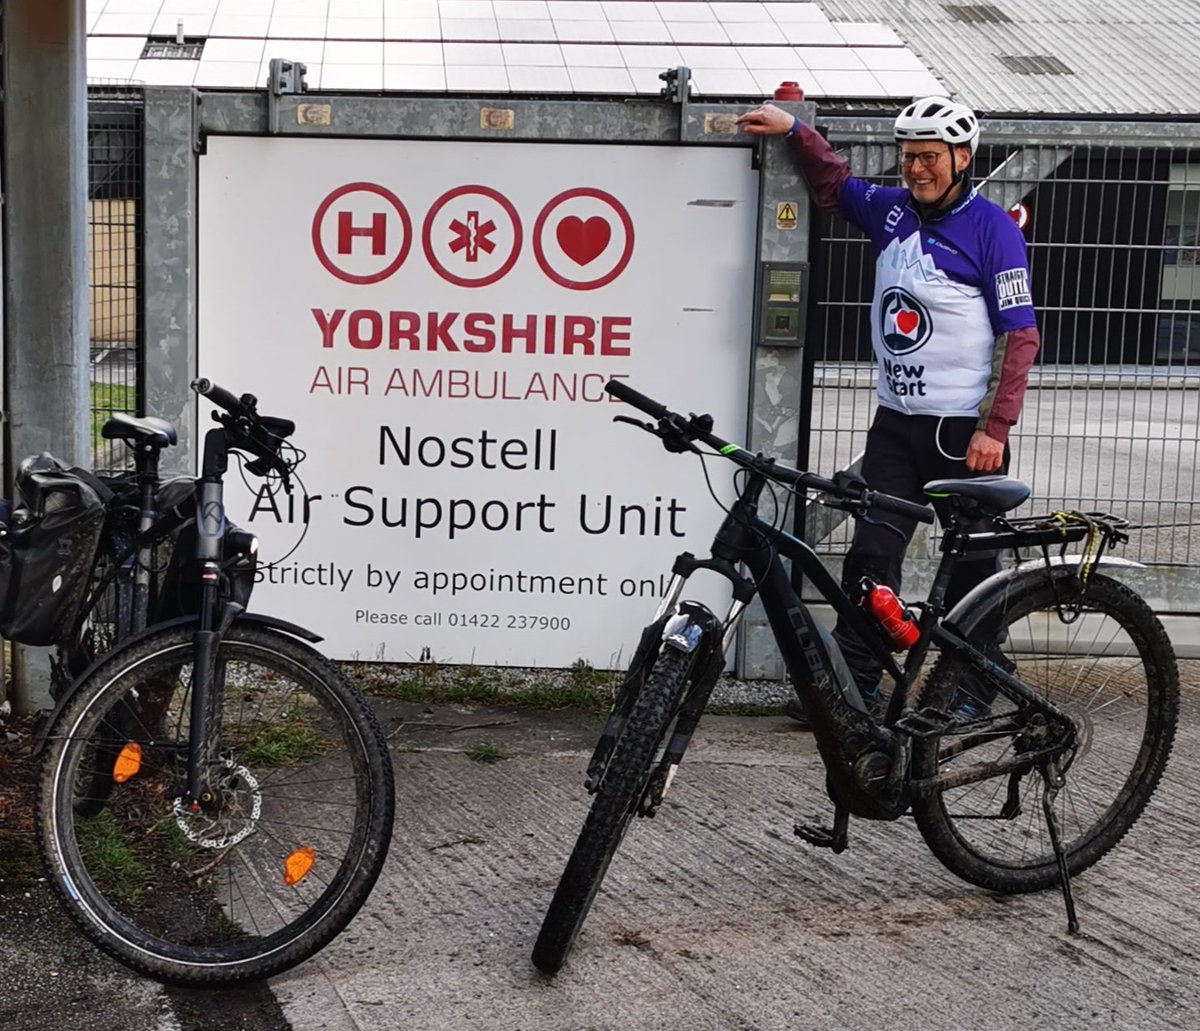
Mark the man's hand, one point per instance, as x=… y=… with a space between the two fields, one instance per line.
x=767 y=120
x=984 y=453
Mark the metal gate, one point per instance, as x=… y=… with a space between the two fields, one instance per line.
x=115 y=158
x=1111 y=418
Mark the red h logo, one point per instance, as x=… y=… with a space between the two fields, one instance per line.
x=376 y=232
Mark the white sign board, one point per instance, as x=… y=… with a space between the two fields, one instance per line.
x=439 y=319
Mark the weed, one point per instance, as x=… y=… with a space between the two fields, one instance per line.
x=478 y=685
x=584 y=674
x=286 y=743
x=484 y=752
x=110 y=857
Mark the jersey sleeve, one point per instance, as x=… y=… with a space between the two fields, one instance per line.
x=824 y=170
x=869 y=205
x=1006 y=281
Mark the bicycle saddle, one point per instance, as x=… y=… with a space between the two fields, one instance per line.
x=1000 y=493
x=148 y=430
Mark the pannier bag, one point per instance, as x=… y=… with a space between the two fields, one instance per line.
x=49 y=550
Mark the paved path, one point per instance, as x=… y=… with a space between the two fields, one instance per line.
x=714 y=916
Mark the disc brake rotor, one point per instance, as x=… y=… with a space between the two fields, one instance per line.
x=237 y=815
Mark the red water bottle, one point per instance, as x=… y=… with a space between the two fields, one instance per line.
x=890 y=613
x=789 y=91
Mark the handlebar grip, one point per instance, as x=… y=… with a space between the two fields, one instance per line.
x=219 y=396
x=631 y=397
x=920 y=513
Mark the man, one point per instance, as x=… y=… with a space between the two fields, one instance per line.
x=952 y=324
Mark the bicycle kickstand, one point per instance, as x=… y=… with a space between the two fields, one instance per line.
x=823 y=837
x=1054 y=782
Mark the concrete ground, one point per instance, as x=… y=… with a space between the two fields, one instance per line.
x=713 y=914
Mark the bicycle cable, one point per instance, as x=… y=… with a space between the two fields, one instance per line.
x=271 y=482
x=767 y=543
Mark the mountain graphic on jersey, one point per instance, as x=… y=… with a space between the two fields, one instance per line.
x=904 y=322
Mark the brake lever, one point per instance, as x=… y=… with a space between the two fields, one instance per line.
x=649 y=427
x=673 y=440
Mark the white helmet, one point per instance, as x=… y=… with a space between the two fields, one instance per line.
x=938 y=118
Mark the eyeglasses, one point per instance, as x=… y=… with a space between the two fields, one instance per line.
x=928 y=158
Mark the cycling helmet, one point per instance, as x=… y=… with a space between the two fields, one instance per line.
x=938 y=118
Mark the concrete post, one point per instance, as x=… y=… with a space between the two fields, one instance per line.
x=46 y=366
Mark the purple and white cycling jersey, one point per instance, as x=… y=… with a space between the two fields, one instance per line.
x=944 y=290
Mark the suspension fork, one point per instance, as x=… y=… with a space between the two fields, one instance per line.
x=208 y=687
x=711 y=649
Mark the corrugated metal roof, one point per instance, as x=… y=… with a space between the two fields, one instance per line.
x=1123 y=58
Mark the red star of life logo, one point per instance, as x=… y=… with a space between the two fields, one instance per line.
x=472 y=237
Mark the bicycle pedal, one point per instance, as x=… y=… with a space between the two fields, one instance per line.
x=928 y=722
x=821 y=837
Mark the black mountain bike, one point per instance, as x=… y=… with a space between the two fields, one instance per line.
x=216 y=799
x=1068 y=678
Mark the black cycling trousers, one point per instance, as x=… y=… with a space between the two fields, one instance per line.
x=903 y=453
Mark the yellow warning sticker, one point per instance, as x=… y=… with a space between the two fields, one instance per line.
x=785 y=215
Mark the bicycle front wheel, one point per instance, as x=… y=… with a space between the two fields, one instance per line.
x=621 y=789
x=265 y=873
x=1112 y=670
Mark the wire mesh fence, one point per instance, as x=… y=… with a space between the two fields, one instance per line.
x=114 y=263
x=1111 y=418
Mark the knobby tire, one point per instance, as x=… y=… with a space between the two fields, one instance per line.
x=202 y=898
x=613 y=808
x=1114 y=672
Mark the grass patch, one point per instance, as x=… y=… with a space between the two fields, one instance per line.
x=106 y=399
x=582 y=688
x=485 y=752
x=559 y=696
x=584 y=674
x=284 y=744
x=109 y=857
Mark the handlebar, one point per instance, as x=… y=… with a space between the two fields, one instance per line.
x=625 y=393
x=221 y=397
x=677 y=427
x=260 y=435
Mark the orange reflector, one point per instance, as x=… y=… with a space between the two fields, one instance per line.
x=128 y=763
x=297 y=865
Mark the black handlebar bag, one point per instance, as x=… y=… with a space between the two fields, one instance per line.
x=49 y=551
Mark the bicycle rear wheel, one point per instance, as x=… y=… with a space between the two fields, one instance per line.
x=1112 y=670
x=269 y=872
x=621 y=788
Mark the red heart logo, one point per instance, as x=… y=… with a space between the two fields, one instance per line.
x=907 y=321
x=581 y=241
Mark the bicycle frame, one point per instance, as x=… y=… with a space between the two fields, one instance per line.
x=855 y=748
